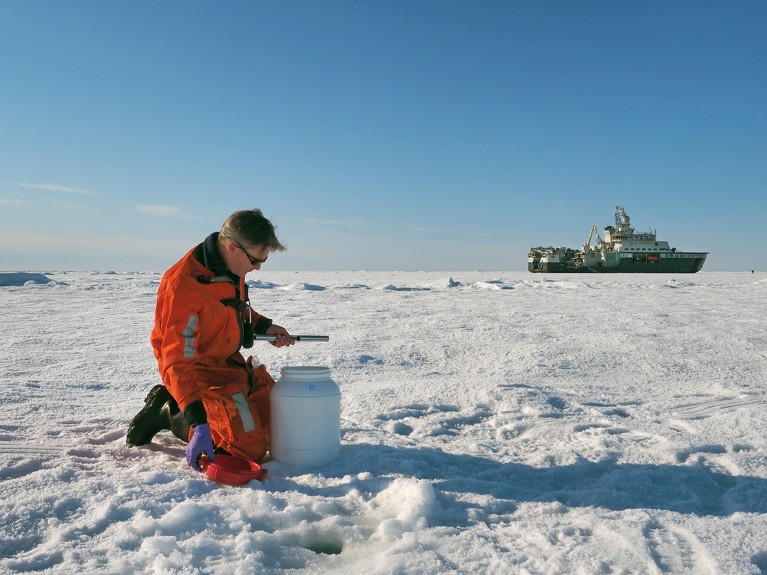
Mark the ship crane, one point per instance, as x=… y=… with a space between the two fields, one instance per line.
x=592 y=233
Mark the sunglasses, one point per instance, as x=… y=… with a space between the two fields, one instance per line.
x=253 y=261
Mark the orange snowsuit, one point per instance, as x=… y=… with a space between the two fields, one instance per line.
x=201 y=318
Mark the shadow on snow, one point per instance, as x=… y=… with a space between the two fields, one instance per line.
x=605 y=484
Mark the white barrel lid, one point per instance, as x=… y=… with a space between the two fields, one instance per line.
x=306 y=372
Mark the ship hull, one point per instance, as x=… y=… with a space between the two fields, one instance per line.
x=679 y=264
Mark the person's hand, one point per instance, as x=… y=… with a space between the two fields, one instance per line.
x=200 y=443
x=283 y=337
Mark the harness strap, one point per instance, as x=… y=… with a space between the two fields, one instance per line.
x=236 y=303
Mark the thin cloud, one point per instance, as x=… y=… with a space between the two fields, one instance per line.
x=56 y=188
x=7 y=202
x=157 y=211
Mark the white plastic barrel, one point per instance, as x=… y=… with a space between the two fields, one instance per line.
x=306 y=417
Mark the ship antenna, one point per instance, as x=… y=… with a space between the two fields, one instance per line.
x=621 y=218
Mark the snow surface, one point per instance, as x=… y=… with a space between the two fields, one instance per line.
x=491 y=423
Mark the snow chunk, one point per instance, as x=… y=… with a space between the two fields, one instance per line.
x=183 y=517
x=258 y=284
x=404 y=506
x=23 y=278
x=445 y=283
x=304 y=287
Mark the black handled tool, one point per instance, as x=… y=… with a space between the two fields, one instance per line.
x=296 y=337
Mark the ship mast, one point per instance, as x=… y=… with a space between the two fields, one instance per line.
x=622 y=224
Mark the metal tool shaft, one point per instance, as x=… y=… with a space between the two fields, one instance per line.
x=296 y=337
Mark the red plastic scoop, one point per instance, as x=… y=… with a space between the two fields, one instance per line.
x=232 y=470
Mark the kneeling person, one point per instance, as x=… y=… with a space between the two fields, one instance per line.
x=211 y=396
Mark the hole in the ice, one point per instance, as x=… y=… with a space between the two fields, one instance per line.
x=325 y=548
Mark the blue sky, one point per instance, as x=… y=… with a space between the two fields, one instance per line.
x=387 y=135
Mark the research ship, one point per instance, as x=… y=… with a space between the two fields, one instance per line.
x=623 y=251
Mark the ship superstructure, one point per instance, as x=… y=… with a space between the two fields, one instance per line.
x=622 y=250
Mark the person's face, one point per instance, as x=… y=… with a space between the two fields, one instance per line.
x=246 y=259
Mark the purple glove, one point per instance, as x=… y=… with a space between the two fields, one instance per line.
x=200 y=443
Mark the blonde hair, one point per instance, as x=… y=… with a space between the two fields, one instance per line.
x=250 y=228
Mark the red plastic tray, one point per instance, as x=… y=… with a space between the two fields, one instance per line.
x=232 y=470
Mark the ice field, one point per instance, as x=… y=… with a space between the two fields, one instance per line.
x=492 y=422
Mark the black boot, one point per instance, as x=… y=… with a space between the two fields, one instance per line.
x=152 y=417
x=176 y=420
